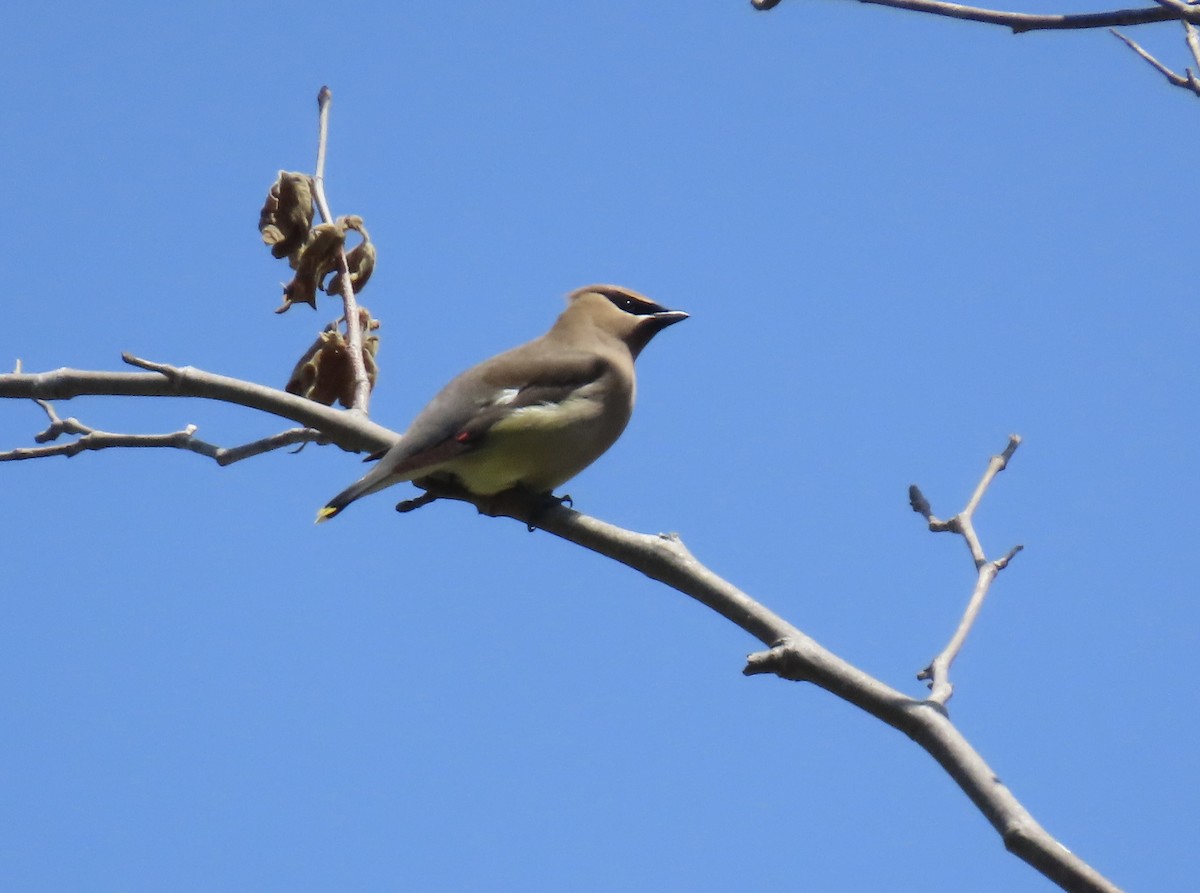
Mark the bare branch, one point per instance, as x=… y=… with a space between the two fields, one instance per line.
x=793 y=655
x=291 y=437
x=93 y=439
x=1021 y=22
x=324 y=101
x=354 y=335
x=349 y=430
x=1187 y=81
x=938 y=671
x=662 y=557
x=1165 y=10
x=1193 y=42
x=997 y=465
x=185 y=439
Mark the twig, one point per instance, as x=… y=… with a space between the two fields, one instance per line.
x=1193 y=41
x=354 y=337
x=161 y=368
x=1187 y=81
x=350 y=431
x=324 y=101
x=1021 y=22
x=185 y=439
x=938 y=671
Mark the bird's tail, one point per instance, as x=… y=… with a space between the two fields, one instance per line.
x=372 y=482
x=335 y=505
x=355 y=491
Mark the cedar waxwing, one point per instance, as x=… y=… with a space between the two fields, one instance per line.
x=534 y=416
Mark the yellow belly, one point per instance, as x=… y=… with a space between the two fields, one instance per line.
x=539 y=448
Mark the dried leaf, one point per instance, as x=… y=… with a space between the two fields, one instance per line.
x=315 y=261
x=324 y=374
x=369 y=350
x=287 y=214
x=360 y=259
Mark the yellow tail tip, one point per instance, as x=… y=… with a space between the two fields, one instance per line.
x=325 y=514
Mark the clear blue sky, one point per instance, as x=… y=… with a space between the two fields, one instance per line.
x=900 y=239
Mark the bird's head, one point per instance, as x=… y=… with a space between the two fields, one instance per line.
x=622 y=312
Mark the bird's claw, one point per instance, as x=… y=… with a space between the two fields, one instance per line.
x=543 y=502
x=411 y=505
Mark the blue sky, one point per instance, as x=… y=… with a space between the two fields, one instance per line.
x=900 y=240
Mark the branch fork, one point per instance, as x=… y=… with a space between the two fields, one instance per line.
x=938 y=672
x=94 y=439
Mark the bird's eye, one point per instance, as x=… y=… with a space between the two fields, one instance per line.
x=631 y=304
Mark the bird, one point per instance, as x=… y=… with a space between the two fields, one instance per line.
x=533 y=417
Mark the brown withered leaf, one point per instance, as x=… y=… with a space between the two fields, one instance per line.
x=324 y=373
x=360 y=259
x=369 y=350
x=287 y=214
x=316 y=258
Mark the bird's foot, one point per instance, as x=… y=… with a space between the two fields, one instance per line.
x=411 y=505
x=518 y=502
x=542 y=503
x=434 y=490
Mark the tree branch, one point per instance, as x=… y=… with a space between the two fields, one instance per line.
x=1021 y=22
x=354 y=334
x=1188 y=79
x=349 y=430
x=662 y=557
x=185 y=439
x=795 y=656
x=938 y=671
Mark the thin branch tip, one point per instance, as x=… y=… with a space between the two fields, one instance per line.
x=1002 y=563
x=1189 y=81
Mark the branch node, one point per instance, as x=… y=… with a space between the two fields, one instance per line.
x=784 y=660
x=1001 y=563
x=1014 y=441
x=169 y=371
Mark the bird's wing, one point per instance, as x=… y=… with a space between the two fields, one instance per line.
x=458 y=419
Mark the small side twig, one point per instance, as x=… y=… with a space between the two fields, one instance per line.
x=163 y=368
x=354 y=335
x=89 y=438
x=1188 y=80
x=938 y=671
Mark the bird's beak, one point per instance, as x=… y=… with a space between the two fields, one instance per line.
x=666 y=318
